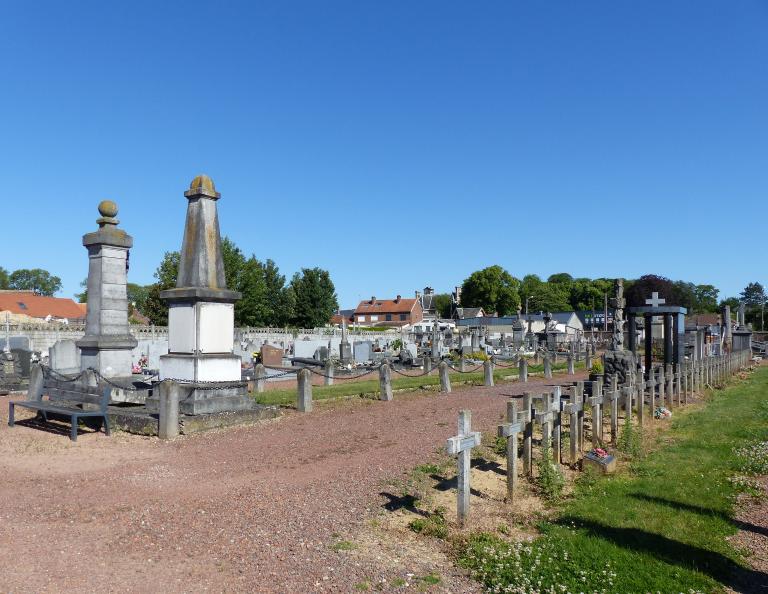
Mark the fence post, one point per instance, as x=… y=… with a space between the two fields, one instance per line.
x=385 y=382
x=523 y=374
x=547 y=367
x=304 y=402
x=168 y=417
x=260 y=375
x=571 y=368
x=329 y=371
x=445 y=379
x=488 y=372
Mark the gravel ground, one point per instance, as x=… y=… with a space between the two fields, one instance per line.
x=264 y=508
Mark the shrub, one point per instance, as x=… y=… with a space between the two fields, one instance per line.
x=597 y=367
x=550 y=479
x=433 y=525
x=629 y=442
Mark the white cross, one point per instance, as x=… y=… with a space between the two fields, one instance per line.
x=462 y=445
x=654 y=301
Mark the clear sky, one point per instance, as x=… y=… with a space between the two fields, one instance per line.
x=396 y=144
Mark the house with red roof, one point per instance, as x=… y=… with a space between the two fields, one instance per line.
x=389 y=312
x=28 y=303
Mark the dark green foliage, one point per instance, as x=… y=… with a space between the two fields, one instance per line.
x=38 y=280
x=493 y=289
x=443 y=304
x=4 y=278
x=315 y=298
x=432 y=525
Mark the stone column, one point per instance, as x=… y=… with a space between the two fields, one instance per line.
x=488 y=373
x=107 y=344
x=328 y=373
x=445 y=379
x=260 y=375
x=304 y=395
x=168 y=419
x=385 y=382
x=547 y=367
x=523 y=370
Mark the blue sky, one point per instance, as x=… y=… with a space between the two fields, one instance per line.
x=396 y=144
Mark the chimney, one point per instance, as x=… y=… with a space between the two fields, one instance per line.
x=418 y=294
x=397 y=299
x=373 y=299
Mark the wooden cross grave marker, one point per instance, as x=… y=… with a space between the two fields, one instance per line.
x=575 y=409
x=515 y=424
x=462 y=445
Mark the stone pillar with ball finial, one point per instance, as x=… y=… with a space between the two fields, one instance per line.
x=107 y=344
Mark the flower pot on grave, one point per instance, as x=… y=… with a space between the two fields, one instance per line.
x=604 y=465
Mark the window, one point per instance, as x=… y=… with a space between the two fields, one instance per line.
x=403 y=317
x=388 y=317
x=374 y=318
x=361 y=318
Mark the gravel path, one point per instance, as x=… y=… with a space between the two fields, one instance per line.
x=262 y=508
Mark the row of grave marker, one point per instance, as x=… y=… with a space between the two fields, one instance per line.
x=547 y=410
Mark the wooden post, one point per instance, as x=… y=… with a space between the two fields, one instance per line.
x=596 y=401
x=445 y=379
x=304 y=400
x=670 y=389
x=488 y=372
x=527 y=435
x=462 y=445
x=509 y=431
x=385 y=382
x=329 y=373
x=557 y=429
x=613 y=398
x=662 y=386
x=580 y=416
x=573 y=409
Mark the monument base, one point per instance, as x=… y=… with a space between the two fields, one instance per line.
x=620 y=364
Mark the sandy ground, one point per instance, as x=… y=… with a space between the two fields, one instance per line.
x=298 y=504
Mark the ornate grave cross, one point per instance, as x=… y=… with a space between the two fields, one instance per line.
x=515 y=424
x=654 y=301
x=462 y=445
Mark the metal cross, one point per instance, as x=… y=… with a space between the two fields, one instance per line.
x=654 y=301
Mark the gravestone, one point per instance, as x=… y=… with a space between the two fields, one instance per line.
x=64 y=356
x=201 y=314
x=363 y=351
x=271 y=356
x=461 y=446
x=107 y=343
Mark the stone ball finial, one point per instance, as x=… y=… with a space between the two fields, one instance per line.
x=203 y=182
x=202 y=185
x=108 y=208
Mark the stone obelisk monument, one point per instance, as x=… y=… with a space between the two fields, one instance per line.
x=201 y=314
x=107 y=344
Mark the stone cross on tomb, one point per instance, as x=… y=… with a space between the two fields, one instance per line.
x=462 y=445
x=654 y=301
x=515 y=424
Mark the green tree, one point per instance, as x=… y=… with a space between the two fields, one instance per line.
x=494 y=289
x=753 y=295
x=4 y=279
x=254 y=308
x=706 y=298
x=166 y=274
x=530 y=286
x=40 y=281
x=281 y=300
x=443 y=303
x=315 y=298
x=641 y=289
x=83 y=297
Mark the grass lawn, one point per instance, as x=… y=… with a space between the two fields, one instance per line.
x=370 y=388
x=659 y=526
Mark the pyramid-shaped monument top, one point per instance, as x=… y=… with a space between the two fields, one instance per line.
x=201 y=266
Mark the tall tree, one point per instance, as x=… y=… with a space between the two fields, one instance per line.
x=494 y=289
x=166 y=274
x=3 y=278
x=254 y=308
x=38 y=280
x=706 y=298
x=443 y=304
x=280 y=299
x=753 y=295
x=315 y=298
x=642 y=288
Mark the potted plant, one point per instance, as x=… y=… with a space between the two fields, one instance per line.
x=596 y=371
